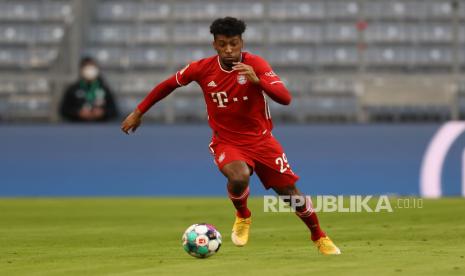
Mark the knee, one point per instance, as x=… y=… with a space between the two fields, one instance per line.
x=239 y=180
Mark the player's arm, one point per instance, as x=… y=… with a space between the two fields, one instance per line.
x=264 y=76
x=181 y=78
x=133 y=120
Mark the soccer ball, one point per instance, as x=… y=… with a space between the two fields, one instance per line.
x=201 y=240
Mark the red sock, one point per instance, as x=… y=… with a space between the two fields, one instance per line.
x=308 y=216
x=240 y=202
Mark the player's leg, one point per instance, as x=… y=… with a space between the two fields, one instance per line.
x=305 y=212
x=303 y=209
x=238 y=174
x=274 y=171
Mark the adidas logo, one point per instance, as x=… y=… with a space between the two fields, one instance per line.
x=212 y=84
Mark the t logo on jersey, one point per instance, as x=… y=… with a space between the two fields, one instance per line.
x=220 y=97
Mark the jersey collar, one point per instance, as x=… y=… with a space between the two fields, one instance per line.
x=222 y=69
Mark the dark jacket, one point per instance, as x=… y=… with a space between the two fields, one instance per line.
x=76 y=96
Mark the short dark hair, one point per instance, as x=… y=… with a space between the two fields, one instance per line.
x=227 y=26
x=86 y=60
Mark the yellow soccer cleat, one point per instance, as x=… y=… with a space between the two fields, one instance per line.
x=240 y=231
x=326 y=246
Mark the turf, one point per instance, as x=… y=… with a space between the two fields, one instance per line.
x=141 y=236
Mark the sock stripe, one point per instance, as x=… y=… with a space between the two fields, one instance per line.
x=308 y=211
x=240 y=197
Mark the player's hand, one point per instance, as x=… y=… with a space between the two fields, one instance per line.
x=85 y=114
x=246 y=70
x=98 y=112
x=132 y=122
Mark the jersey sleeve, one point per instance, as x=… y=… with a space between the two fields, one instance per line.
x=270 y=82
x=187 y=74
x=265 y=73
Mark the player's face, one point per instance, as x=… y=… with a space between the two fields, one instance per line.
x=229 y=49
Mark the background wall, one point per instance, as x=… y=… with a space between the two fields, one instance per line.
x=95 y=160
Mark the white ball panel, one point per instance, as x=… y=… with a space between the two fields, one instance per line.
x=201 y=229
x=213 y=245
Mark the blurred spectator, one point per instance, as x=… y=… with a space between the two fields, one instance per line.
x=89 y=98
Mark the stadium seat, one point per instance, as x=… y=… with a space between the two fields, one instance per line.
x=8 y=87
x=136 y=84
x=147 y=57
x=184 y=55
x=57 y=11
x=27 y=59
x=20 y=11
x=435 y=32
x=337 y=55
x=340 y=32
x=342 y=9
x=433 y=56
x=193 y=10
x=439 y=9
x=149 y=10
x=37 y=86
x=189 y=107
x=283 y=10
x=387 y=56
x=461 y=34
x=327 y=107
x=125 y=11
x=24 y=105
x=296 y=83
x=17 y=34
x=396 y=9
x=333 y=86
x=461 y=10
x=288 y=56
x=111 y=34
x=151 y=34
x=295 y=32
x=116 y=10
x=391 y=32
x=286 y=113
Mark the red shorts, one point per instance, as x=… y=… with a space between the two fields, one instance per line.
x=267 y=159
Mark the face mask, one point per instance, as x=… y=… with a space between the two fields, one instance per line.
x=90 y=72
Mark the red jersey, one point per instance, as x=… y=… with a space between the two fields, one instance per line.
x=237 y=109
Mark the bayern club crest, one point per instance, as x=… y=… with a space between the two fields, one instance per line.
x=241 y=79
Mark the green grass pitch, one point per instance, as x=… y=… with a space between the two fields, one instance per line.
x=142 y=236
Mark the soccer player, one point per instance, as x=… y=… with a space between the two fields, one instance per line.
x=235 y=85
